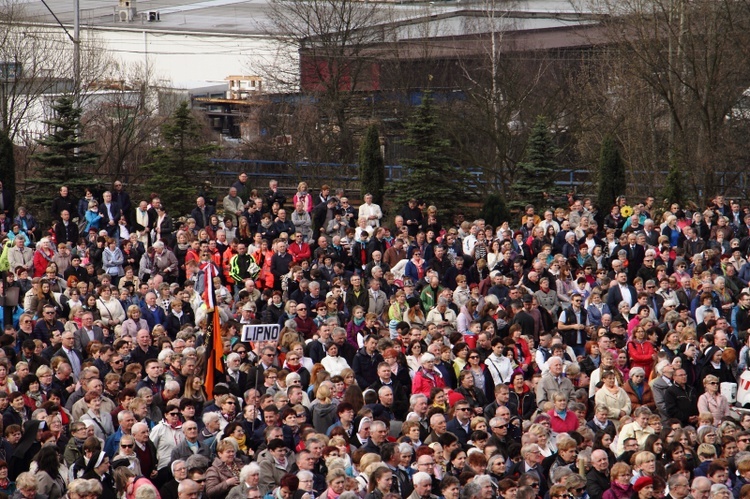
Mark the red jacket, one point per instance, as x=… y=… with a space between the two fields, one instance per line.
x=41 y=263
x=641 y=355
x=424 y=383
x=300 y=252
x=559 y=425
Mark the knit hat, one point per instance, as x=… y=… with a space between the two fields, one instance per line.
x=642 y=482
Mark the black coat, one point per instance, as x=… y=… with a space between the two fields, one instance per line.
x=66 y=234
x=681 y=403
x=365 y=367
x=596 y=483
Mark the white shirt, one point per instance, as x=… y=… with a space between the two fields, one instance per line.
x=367 y=210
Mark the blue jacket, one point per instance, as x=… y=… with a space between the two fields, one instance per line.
x=153 y=318
x=113 y=443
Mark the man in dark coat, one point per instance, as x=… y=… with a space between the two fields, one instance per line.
x=597 y=479
x=366 y=362
x=681 y=400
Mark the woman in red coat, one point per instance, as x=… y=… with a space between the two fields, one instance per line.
x=427 y=377
x=561 y=419
x=42 y=257
x=641 y=352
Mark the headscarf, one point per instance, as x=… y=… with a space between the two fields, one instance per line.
x=95 y=461
x=28 y=439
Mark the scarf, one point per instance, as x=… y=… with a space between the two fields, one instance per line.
x=358 y=322
x=241 y=443
x=36 y=397
x=293 y=369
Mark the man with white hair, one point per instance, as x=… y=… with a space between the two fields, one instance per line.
x=700 y=488
x=679 y=486
x=418 y=404
x=189 y=489
x=236 y=379
x=553 y=381
x=597 y=479
x=439 y=427
x=531 y=463
x=126 y=420
x=422 y=486
x=170 y=391
x=378 y=436
x=145 y=450
x=191 y=445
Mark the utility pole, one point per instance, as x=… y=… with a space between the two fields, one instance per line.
x=76 y=46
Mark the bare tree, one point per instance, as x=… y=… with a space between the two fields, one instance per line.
x=688 y=59
x=330 y=38
x=33 y=62
x=122 y=119
x=506 y=87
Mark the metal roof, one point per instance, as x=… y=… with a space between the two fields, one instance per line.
x=249 y=17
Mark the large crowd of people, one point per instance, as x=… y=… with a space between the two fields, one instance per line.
x=581 y=352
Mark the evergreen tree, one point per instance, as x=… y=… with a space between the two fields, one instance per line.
x=8 y=170
x=535 y=178
x=177 y=166
x=63 y=159
x=673 y=189
x=495 y=211
x=429 y=174
x=372 y=166
x=611 y=174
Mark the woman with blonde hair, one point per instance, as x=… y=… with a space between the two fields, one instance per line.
x=302 y=196
x=134 y=322
x=712 y=401
x=323 y=409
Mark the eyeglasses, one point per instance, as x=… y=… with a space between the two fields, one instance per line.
x=130 y=446
x=473 y=356
x=712 y=383
x=173 y=413
x=463 y=409
x=534 y=484
x=230 y=402
x=744 y=440
x=199 y=480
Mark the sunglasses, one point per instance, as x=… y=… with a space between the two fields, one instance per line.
x=126 y=446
